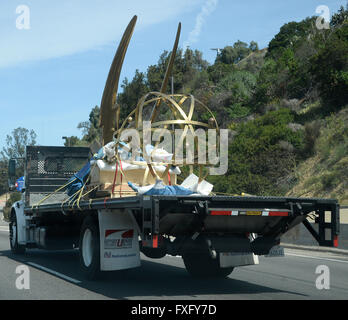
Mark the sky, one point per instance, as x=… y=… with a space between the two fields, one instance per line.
x=55 y=55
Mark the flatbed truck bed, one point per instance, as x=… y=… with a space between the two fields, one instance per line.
x=237 y=213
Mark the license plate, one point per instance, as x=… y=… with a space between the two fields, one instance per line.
x=276 y=251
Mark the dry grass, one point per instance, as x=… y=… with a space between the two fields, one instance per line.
x=4 y=197
x=325 y=175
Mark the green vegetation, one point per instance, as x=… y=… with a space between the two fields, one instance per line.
x=263 y=152
x=14 y=197
x=325 y=174
x=330 y=68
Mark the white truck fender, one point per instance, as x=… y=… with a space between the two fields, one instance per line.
x=119 y=244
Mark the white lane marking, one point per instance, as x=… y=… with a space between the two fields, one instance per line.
x=4 y=229
x=169 y=255
x=53 y=272
x=290 y=254
x=311 y=257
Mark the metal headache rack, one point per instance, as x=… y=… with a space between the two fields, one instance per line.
x=48 y=168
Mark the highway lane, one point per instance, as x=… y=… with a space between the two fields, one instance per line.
x=289 y=277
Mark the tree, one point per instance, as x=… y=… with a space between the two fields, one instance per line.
x=289 y=35
x=132 y=92
x=219 y=70
x=226 y=56
x=74 y=141
x=15 y=148
x=232 y=96
x=90 y=129
x=330 y=68
x=17 y=142
x=3 y=176
x=198 y=62
x=155 y=73
x=253 y=46
x=237 y=52
x=341 y=16
x=241 y=50
x=186 y=65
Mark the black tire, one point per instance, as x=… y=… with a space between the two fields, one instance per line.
x=202 y=265
x=153 y=253
x=89 y=248
x=16 y=248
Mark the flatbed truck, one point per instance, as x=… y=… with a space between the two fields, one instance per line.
x=213 y=234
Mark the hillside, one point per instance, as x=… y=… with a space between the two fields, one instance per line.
x=253 y=61
x=325 y=174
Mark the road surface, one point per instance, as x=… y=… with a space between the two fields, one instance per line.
x=55 y=275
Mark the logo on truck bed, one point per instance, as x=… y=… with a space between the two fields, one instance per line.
x=118 y=239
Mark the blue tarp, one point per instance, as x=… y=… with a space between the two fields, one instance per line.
x=80 y=178
x=164 y=190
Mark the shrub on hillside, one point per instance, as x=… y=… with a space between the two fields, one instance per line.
x=257 y=157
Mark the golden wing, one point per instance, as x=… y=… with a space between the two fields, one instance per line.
x=109 y=112
x=169 y=70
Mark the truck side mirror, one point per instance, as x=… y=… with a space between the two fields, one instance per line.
x=12 y=168
x=11 y=174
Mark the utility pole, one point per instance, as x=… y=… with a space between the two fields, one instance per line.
x=172 y=89
x=218 y=51
x=172 y=78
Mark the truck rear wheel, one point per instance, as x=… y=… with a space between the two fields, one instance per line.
x=201 y=265
x=89 y=248
x=15 y=246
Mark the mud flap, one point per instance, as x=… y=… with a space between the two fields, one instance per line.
x=237 y=259
x=119 y=245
